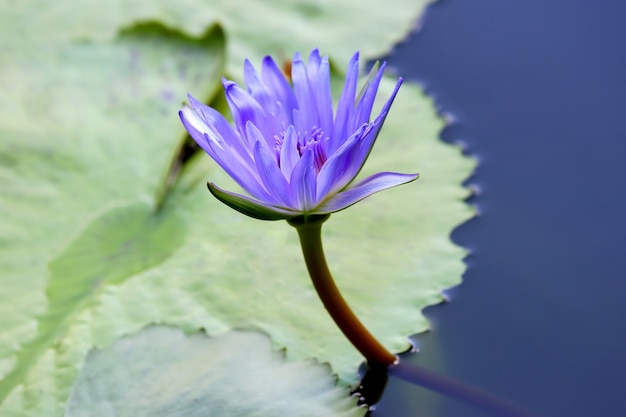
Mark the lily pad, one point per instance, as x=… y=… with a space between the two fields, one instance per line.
x=88 y=128
x=227 y=270
x=85 y=140
x=161 y=372
x=254 y=28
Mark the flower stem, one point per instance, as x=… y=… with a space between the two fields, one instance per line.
x=310 y=232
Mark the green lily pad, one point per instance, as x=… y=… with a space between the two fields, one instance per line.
x=162 y=372
x=254 y=28
x=227 y=271
x=88 y=129
x=87 y=132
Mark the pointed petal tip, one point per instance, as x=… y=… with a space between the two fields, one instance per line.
x=227 y=83
x=195 y=127
x=315 y=54
x=383 y=112
x=193 y=102
x=248 y=68
x=181 y=116
x=268 y=60
x=380 y=72
x=410 y=178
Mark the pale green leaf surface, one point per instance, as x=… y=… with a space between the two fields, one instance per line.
x=86 y=134
x=255 y=28
x=391 y=255
x=162 y=372
x=87 y=128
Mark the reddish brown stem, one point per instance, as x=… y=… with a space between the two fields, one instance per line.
x=310 y=233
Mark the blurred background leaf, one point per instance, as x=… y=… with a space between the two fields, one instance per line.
x=236 y=374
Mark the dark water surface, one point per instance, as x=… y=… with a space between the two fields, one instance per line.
x=538 y=89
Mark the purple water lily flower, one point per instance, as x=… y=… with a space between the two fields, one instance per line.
x=287 y=149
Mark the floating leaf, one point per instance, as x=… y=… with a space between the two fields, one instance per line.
x=88 y=129
x=390 y=255
x=162 y=372
x=254 y=28
x=87 y=132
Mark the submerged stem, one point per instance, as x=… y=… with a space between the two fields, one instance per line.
x=460 y=391
x=310 y=233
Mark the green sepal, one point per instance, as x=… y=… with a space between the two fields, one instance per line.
x=249 y=206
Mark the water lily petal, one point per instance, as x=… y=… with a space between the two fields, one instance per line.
x=256 y=87
x=306 y=116
x=212 y=143
x=313 y=64
x=321 y=86
x=359 y=153
x=318 y=76
x=335 y=173
x=289 y=155
x=230 y=161
x=245 y=108
x=363 y=189
x=367 y=97
x=383 y=112
x=275 y=81
x=215 y=122
x=345 y=107
x=196 y=127
x=246 y=176
x=304 y=183
x=267 y=167
x=250 y=207
x=277 y=117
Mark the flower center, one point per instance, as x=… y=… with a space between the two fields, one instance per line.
x=313 y=140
